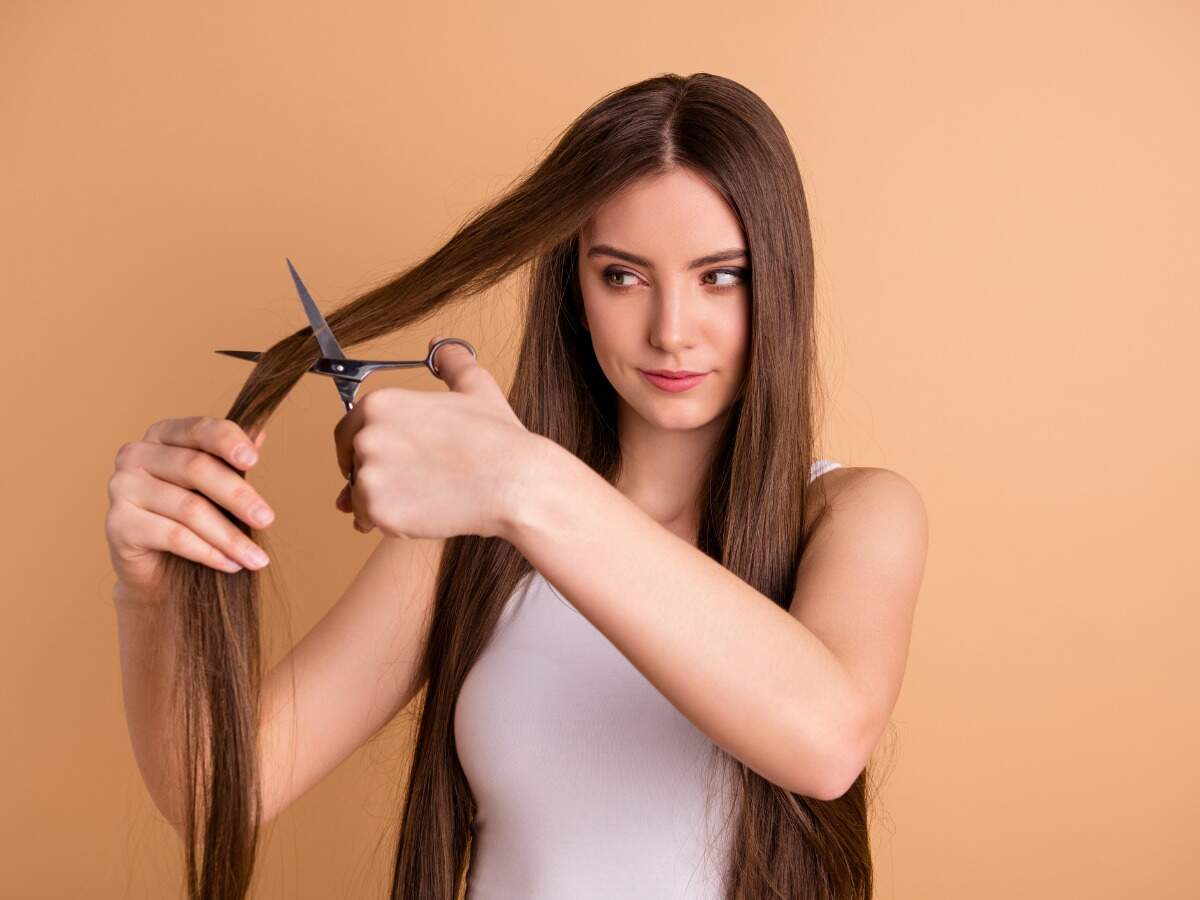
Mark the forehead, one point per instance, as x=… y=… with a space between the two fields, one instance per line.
x=670 y=217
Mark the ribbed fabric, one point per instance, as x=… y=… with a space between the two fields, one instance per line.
x=589 y=783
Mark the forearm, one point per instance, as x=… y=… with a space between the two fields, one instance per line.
x=743 y=670
x=148 y=651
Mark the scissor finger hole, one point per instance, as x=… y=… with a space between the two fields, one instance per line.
x=433 y=352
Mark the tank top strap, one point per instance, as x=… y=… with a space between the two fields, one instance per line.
x=821 y=466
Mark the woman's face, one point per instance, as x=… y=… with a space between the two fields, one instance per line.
x=665 y=278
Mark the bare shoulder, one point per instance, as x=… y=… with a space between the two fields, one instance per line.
x=857 y=586
x=882 y=494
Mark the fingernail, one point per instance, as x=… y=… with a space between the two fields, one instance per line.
x=260 y=514
x=244 y=455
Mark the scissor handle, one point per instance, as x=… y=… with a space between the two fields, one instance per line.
x=429 y=360
x=348 y=374
x=359 y=369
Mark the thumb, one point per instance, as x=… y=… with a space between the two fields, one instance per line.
x=457 y=366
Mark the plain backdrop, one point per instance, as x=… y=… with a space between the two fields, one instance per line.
x=1004 y=204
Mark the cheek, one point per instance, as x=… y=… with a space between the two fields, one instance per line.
x=733 y=332
x=611 y=329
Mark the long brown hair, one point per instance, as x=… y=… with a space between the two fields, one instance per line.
x=783 y=845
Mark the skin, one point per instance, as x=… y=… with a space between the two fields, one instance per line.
x=154 y=507
x=800 y=694
x=657 y=316
x=667 y=316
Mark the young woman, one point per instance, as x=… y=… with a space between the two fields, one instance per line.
x=656 y=640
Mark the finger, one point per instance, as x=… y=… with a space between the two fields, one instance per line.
x=450 y=359
x=221 y=437
x=197 y=514
x=201 y=471
x=160 y=533
x=343 y=436
x=461 y=372
x=352 y=499
x=357 y=504
x=344 y=501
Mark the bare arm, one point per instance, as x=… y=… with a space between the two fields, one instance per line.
x=354 y=671
x=148 y=651
x=796 y=694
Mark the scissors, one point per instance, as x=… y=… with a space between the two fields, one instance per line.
x=347 y=374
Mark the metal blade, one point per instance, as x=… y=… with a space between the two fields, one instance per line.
x=325 y=339
x=251 y=355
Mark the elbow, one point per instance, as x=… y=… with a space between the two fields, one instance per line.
x=836 y=770
x=839 y=779
x=836 y=788
x=846 y=768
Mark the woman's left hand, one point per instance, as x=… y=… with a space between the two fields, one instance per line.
x=434 y=465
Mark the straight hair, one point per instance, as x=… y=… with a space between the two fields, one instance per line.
x=783 y=845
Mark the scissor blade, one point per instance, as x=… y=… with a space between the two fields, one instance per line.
x=325 y=339
x=251 y=355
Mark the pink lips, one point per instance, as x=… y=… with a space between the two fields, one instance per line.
x=674 y=385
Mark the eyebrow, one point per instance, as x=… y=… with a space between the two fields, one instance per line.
x=718 y=256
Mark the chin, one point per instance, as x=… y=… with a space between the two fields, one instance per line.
x=675 y=416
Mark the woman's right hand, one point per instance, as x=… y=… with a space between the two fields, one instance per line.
x=161 y=500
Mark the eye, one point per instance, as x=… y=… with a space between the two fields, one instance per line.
x=610 y=272
x=741 y=275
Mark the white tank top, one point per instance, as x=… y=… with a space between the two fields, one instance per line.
x=589 y=783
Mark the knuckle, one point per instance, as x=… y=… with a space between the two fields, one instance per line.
x=198 y=425
x=231 y=433
x=175 y=537
x=196 y=465
x=191 y=506
x=243 y=495
x=362 y=442
x=118 y=485
x=114 y=524
x=365 y=480
x=126 y=454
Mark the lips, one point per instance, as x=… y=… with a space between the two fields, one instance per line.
x=673 y=385
x=672 y=373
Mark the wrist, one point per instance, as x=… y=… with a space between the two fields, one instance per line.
x=538 y=475
x=125 y=596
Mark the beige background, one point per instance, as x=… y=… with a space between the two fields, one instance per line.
x=1004 y=202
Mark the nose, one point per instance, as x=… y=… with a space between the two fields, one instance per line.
x=673 y=325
